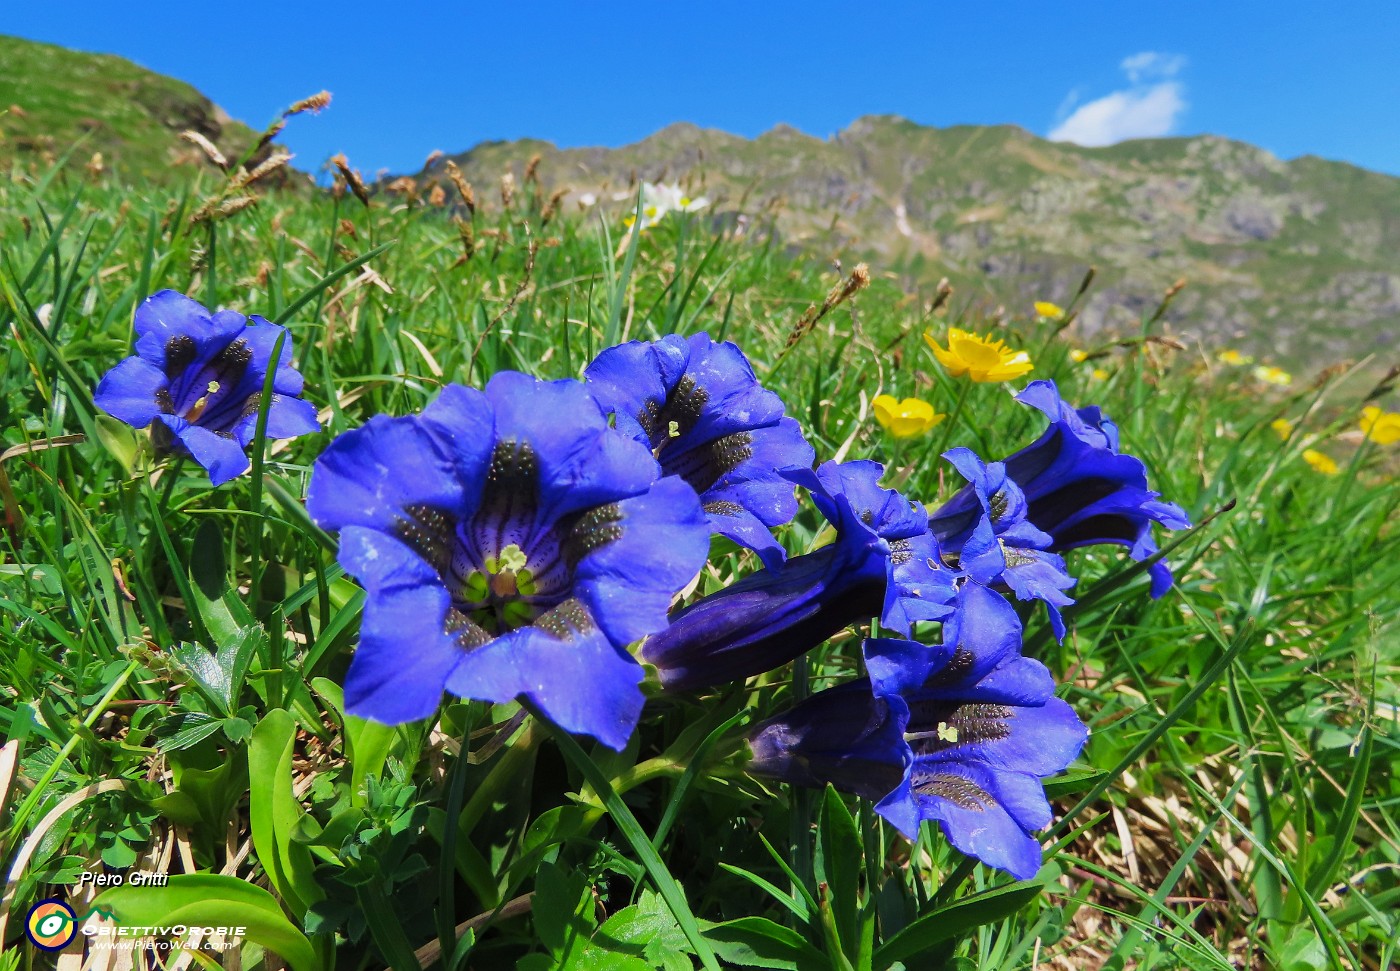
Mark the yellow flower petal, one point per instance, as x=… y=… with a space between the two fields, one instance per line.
x=1234 y=358
x=905 y=418
x=1273 y=375
x=1078 y=356
x=1047 y=309
x=1320 y=462
x=1282 y=427
x=980 y=358
x=1100 y=374
x=1381 y=427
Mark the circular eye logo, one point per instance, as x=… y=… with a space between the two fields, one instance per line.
x=51 y=925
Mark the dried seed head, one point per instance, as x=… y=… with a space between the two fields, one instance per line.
x=315 y=103
x=268 y=165
x=95 y=165
x=552 y=206
x=858 y=281
x=273 y=130
x=507 y=189
x=347 y=228
x=464 y=230
x=464 y=188
x=207 y=147
x=404 y=185
x=433 y=156
x=941 y=295
x=351 y=177
x=532 y=169
x=236 y=204
x=437 y=196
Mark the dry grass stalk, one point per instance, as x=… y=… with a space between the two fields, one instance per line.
x=551 y=207
x=464 y=230
x=265 y=167
x=316 y=103
x=352 y=178
x=839 y=294
x=464 y=188
x=207 y=147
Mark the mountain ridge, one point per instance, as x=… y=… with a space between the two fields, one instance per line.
x=1282 y=256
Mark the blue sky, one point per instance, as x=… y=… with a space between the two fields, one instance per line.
x=1293 y=77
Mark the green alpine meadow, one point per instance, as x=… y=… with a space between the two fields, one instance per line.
x=668 y=558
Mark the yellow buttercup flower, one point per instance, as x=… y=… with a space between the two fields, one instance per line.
x=1282 y=427
x=905 y=418
x=1273 y=375
x=980 y=358
x=1320 y=462
x=1381 y=427
x=1100 y=374
x=1234 y=358
x=1049 y=310
x=1078 y=356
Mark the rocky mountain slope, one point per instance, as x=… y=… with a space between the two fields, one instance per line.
x=1297 y=260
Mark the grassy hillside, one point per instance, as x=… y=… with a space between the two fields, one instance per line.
x=1235 y=806
x=1288 y=258
x=53 y=100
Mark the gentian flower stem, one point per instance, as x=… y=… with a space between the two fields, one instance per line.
x=447 y=870
x=172 y=473
x=255 y=566
x=666 y=884
x=517 y=762
x=950 y=424
x=800 y=811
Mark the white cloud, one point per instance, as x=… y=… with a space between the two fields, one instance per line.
x=1152 y=66
x=1150 y=108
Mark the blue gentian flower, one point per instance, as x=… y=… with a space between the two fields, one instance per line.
x=984 y=728
x=883 y=563
x=999 y=547
x=510 y=544
x=197 y=379
x=962 y=734
x=1079 y=489
x=698 y=406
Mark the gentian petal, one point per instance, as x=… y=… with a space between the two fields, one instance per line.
x=985 y=813
x=262 y=335
x=697 y=405
x=128 y=391
x=371 y=475
x=844 y=735
x=585 y=684
x=582 y=462
x=1082 y=491
x=626 y=378
x=168 y=315
x=763 y=621
x=629 y=582
x=286 y=418
x=220 y=455
x=405 y=652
